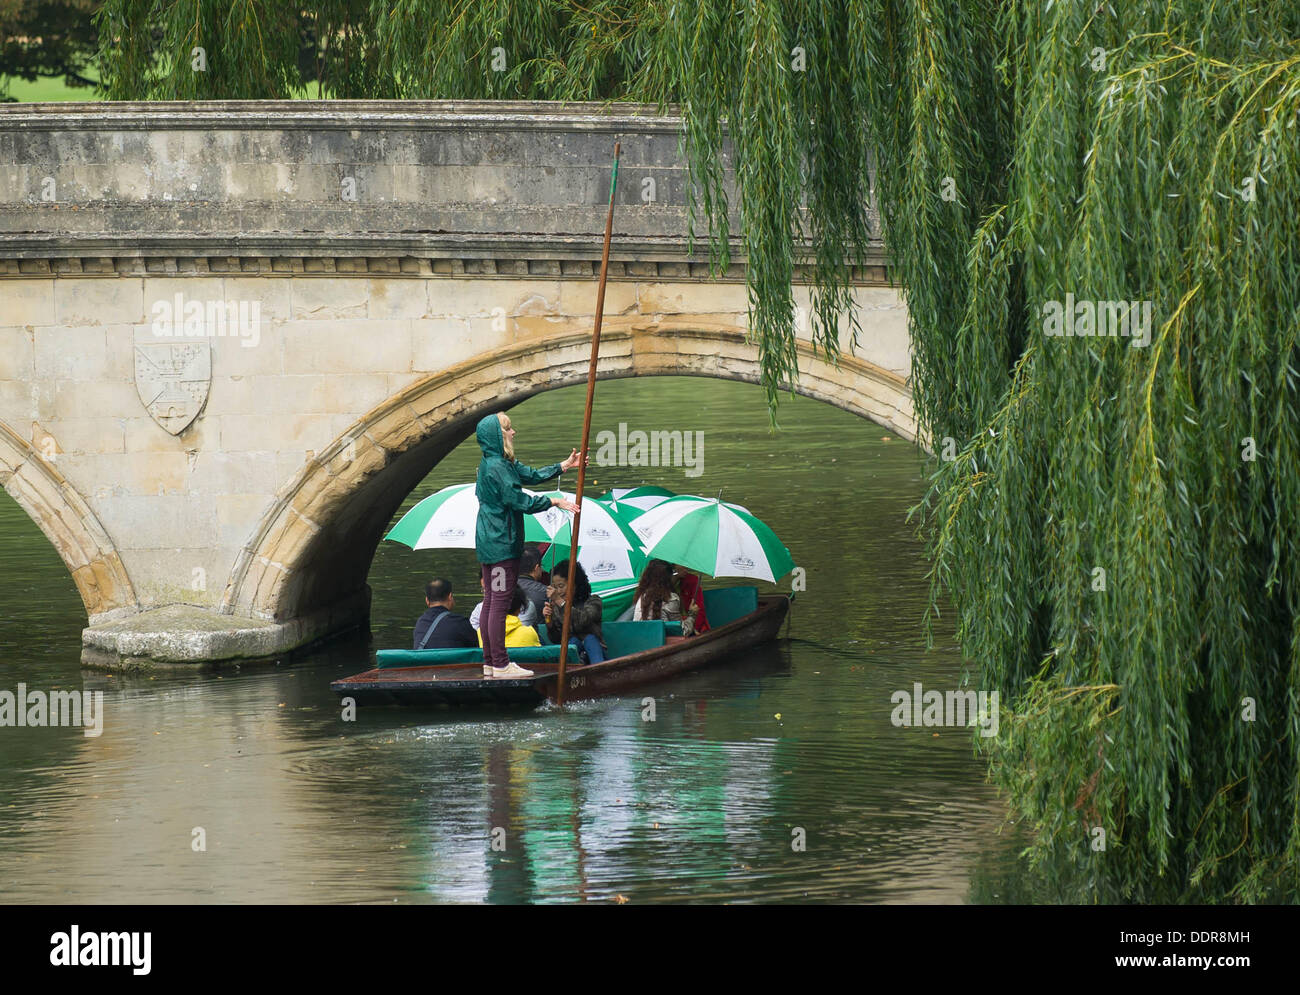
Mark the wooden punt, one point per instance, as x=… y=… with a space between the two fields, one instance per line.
x=464 y=684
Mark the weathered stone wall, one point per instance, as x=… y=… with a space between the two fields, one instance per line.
x=461 y=280
x=474 y=179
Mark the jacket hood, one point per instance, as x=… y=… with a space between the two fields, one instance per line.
x=489 y=436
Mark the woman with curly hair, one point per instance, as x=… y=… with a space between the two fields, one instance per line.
x=656 y=595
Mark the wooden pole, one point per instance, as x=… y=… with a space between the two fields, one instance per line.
x=586 y=431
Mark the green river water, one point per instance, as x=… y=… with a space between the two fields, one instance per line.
x=706 y=803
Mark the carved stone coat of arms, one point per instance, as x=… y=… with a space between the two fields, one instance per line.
x=172 y=378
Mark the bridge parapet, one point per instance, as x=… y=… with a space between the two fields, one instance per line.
x=473 y=184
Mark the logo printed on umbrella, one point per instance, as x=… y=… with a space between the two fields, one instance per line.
x=604 y=569
x=598 y=533
x=742 y=562
x=451 y=532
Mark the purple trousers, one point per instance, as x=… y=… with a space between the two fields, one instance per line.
x=499 y=580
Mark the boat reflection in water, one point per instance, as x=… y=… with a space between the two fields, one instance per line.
x=581 y=818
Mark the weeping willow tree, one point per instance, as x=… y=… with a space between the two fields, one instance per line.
x=1113 y=517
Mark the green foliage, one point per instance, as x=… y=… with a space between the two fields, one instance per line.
x=1126 y=183
x=1019 y=151
x=198 y=50
x=46 y=38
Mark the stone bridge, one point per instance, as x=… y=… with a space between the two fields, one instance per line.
x=233 y=336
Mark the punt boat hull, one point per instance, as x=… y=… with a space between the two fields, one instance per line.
x=459 y=684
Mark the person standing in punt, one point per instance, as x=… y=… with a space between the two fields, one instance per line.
x=499 y=532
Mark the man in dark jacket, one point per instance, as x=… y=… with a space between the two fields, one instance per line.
x=438 y=628
x=532 y=578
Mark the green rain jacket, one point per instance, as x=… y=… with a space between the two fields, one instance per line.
x=502 y=504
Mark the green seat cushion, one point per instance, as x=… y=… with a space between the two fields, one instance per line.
x=726 y=604
x=451 y=657
x=623 y=638
x=671 y=628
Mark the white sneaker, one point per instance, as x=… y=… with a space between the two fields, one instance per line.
x=487 y=670
x=513 y=670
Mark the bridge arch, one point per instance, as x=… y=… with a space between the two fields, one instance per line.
x=70 y=525
x=313 y=548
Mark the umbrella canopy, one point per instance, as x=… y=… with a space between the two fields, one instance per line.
x=447 y=518
x=601 y=525
x=444 y=520
x=635 y=500
x=610 y=552
x=713 y=537
x=608 y=549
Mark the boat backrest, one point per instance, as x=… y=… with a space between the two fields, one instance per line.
x=726 y=604
x=452 y=657
x=622 y=638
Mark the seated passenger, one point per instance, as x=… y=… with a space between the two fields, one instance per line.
x=693 y=620
x=585 y=615
x=517 y=633
x=438 y=628
x=656 y=597
x=478 y=608
x=532 y=578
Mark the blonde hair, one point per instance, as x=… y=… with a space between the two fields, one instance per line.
x=506 y=444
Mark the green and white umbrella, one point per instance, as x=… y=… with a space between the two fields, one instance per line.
x=447 y=519
x=713 y=537
x=608 y=549
x=444 y=520
x=634 y=500
x=610 y=552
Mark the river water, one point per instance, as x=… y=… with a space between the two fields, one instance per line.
x=776 y=777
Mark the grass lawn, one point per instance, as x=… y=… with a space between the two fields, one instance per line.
x=48 y=88
x=53 y=88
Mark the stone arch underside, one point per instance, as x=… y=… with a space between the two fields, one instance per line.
x=71 y=527
x=314 y=547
